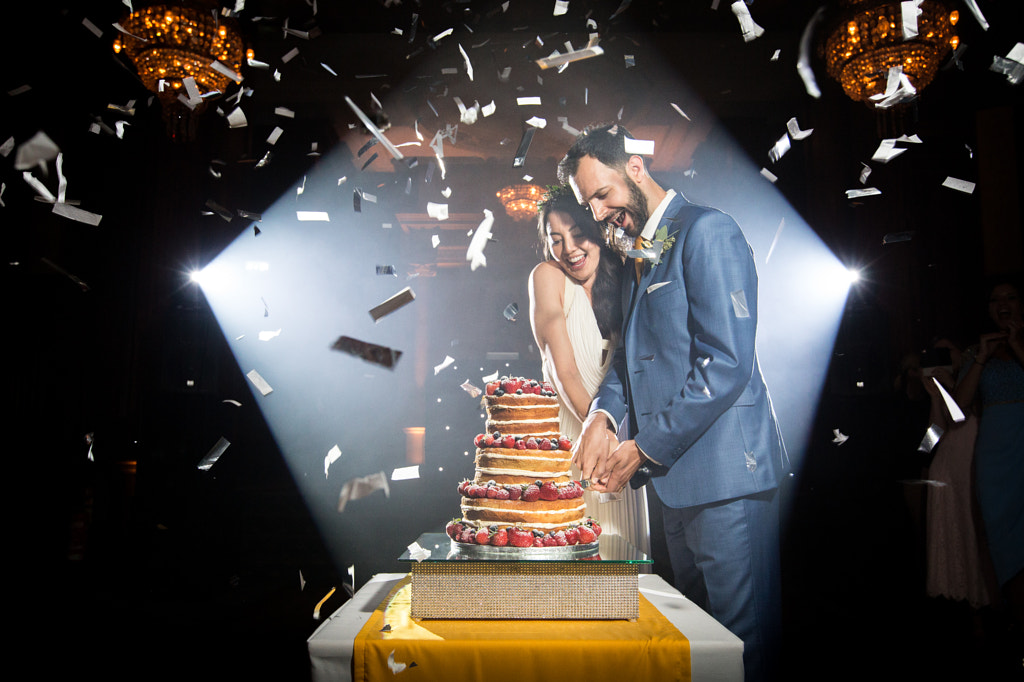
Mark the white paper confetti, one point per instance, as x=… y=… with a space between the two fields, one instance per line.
x=394 y=667
x=236 y=119
x=358 y=488
x=439 y=211
x=35 y=151
x=406 y=473
x=447 y=362
x=898 y=89
x=403 y=297
x=866 y=192
x=374 y=130
x=739 y=303
x=268 y=335
x=976 y=11
x=779 y=150
x=332 y=456
x=560 y=61
x=838 y=437
x=214 y=454
x=92 y=28
x=887 y=151
x=775 y=240
x=76 y=214
x=313 y=216
x=259 y=382
x=930 y=439
x=794 y=130
x=475 y=252
x=910 y=10
x=469 y=388
x=226 y=70
x=964 y=186
x=955 y=413
x=417 y=552
x=469 y=65
x=751 y=31
x=639 y=147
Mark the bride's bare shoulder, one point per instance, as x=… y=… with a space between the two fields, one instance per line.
x=547 y=278
x=547 y=271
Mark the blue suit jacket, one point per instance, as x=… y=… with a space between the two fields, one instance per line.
x=686 y=372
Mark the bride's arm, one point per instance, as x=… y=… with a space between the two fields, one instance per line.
x=547 y=284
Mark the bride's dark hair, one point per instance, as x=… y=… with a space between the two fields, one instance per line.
x=605 y=294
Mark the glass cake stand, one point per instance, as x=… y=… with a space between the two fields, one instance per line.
x=598 y=581
x=609 y=547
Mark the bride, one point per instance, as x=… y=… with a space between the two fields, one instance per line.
x=576 y=315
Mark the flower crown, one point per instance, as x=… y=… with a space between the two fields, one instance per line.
x=553 y=193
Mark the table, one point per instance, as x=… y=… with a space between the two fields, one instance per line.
x=716 y=655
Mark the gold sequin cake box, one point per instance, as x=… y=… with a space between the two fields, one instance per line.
x=579 y=582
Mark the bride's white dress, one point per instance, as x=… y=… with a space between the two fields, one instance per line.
x=625 y=513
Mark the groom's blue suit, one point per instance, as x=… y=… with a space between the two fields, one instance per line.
x=686 y=374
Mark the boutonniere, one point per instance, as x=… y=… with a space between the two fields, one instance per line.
x=666 y=239
x=653 y=251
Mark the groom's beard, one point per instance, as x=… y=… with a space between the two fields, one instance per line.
x=637 y=208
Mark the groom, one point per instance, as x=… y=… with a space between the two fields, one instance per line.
x=701 y=424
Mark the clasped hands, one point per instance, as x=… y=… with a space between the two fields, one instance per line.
x=602 y=459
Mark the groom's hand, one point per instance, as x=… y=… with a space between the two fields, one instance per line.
x=618 y=467
x=595 y=443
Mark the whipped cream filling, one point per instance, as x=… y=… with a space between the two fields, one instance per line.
x=522 y=512
x=526 y=459
x=522 y=472
x=536 y=433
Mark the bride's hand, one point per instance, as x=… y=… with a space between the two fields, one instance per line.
x=596 y=442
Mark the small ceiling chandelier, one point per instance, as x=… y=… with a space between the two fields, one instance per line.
x=869 y=43
x=185 y=52
x=520 y=201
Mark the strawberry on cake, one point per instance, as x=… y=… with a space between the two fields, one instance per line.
x=522 y=494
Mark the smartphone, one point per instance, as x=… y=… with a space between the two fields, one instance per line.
x=933 y=359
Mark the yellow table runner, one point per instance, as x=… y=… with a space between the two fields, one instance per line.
x=650 y=648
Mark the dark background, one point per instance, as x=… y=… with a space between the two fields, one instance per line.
x=142 y=566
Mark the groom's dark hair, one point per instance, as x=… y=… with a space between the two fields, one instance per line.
x=603 y=142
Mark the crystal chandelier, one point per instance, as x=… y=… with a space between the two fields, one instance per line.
x=185 y=52
x=520 y=201
x=867 y=40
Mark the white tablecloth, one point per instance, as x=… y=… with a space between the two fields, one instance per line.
x=716 y=655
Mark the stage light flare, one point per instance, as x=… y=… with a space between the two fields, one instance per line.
x=215 y=277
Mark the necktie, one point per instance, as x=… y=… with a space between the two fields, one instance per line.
x=638 y=263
